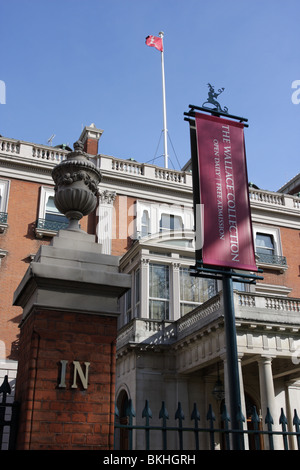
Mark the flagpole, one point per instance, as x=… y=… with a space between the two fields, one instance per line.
x=165 y=130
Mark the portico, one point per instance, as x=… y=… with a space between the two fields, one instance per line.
x=192 y=350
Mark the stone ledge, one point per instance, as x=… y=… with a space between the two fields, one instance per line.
x=80 y=278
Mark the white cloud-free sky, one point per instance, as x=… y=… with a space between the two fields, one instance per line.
x=68 y=63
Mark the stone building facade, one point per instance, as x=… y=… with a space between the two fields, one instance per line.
x=171 y=340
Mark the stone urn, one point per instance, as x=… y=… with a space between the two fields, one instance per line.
x=76 y=186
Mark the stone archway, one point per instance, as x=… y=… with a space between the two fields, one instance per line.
x=121 y=435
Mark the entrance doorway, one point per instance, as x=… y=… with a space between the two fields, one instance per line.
x=250 y=403
x=121 y=435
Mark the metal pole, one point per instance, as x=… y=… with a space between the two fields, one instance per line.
x=232 y=360
x=165 y=130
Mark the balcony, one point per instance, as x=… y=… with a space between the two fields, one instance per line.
x=3 y=221
x=254 y=312
x=19 y=150
x=269 y=260
x=48 y=228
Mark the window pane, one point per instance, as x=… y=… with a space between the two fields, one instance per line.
x=137 y=286
x=189 y=286
x=170 y=222
x=52 y=213
x=194 y=291
x=159 y=310
x=240 y=286
x=159 y=292
x=145 y=224
x=264 y=243
x=50 y=206
x=177 y=223
x=128 y=300
x=159 y=281
x=186 y=308
x=165 y=222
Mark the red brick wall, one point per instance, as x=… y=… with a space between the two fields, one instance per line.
x=65 y=418
x=20 y=241
x=290 y=240
x=91 y=146
x=122 y=228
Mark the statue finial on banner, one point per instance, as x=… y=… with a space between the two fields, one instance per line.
x=212 y=95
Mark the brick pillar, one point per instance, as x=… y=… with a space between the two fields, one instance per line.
x=66 y=371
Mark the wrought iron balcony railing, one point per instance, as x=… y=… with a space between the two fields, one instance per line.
x=265 y=258
x=3 y=217
x=50 y=225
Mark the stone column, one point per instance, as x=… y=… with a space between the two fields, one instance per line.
x=69 y=295
x=267 y=393
x=226 y=384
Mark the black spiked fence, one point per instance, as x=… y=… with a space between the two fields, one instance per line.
x=260 y=439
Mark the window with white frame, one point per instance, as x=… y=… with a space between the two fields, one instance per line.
x=194 y=291
x=50 y=220
x=4 y=191
x=128 y=306
x=145 y=224
x=268 y=246
x=159 y=291
x=130 y=301
x=152 y=218
x=52 y=214
x=264 y=243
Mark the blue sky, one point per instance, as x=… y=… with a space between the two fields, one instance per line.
x=68 y=63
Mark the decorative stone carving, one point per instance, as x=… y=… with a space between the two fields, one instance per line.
x=107 y=197
x=76 y=185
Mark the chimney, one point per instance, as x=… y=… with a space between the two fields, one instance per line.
x=90 y=137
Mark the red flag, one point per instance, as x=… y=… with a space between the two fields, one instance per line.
x=154 y=41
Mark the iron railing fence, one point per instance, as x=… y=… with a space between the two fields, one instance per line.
x=230 y=439
x=8 y=417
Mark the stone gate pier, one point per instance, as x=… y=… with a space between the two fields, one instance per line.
x=69 y=295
